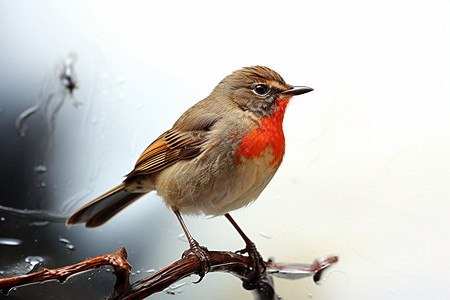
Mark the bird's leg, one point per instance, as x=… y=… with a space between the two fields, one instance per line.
x=202 y=253
x=258 y=265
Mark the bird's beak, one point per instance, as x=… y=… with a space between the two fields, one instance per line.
x=297 y=90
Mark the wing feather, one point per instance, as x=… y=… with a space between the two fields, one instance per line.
x=166 y=150
x=184 y=141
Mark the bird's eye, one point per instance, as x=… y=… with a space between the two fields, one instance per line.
x=261 y=89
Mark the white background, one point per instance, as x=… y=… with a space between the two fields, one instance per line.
x=366 y=174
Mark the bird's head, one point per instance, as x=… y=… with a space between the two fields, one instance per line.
x=257 y=89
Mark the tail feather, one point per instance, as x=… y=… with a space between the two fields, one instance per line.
x=103 y=208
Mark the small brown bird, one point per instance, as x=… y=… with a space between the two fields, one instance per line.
x=218 y=157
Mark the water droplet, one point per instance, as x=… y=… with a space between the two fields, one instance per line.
x=265 y=235
x=64 y=240
x=176 y=288
x=182 y=237
x=151 y=271
x=21 y=119
x=40 y=169
x=34 y=260
x=310 y=296
x=69 y=245
x=39 y=223
x=10 y=242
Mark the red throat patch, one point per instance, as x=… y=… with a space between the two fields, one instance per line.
x=268 y=134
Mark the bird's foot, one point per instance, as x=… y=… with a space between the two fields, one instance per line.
x=202 y=254
x=258 y=266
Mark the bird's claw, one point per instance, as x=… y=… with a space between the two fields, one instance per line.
x=258 y=266
x=202 y=254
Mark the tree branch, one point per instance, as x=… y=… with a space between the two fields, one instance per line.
x=220 y=261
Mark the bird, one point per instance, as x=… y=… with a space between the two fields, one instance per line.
x=217 y=157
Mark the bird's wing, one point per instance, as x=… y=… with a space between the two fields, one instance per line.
x=170 y=147
x=184 y=141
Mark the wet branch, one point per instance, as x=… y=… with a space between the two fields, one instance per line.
x=117 y=260
x=221 y=261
